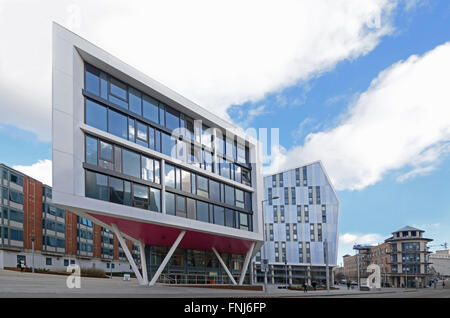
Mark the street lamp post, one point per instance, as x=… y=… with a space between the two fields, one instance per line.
x=286 y=272
x=265 y=261
x=325 y=246
x=32 y=253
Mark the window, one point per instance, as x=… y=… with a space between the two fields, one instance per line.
x=168 y=145
x=96 y=115
x=16 y=215
x=293 y=195
x=202 y=186
x=181 y=206
x=170 y=176
x=116 y=190
x=140 y=196
x=92 y=80
x=118 y=93
x=131 y=163
x=150 y=108
x=219 y=215
x=91 y=150
x=16 y=197
x=240 y=199
x=243 y=221
x=135 y=101
x=170 y=203
x=225 y=169
x=214 y=190
x=246 y=178
x=66 y=262
x=142 y=134
x=48 y=261
x=172 y=119
x=229 y=195
x=147 y=169
x=248 y=201
x=117 y=124
x=16 y=179
x=186 y=181
x=202 y=211
x=229 y=218
x=191 y=208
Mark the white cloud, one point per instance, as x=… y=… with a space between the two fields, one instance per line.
x=401 y=122
x=41 y=171
x=347 y=240
x=215 y=53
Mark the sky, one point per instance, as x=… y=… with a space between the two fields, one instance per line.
x=362 y=86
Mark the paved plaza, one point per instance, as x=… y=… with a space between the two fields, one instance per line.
x=17 y=284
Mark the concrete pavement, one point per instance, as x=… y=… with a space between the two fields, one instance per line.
x=17 y=284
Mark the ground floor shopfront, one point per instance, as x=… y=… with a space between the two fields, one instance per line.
x=292 y=274
x=188 y=266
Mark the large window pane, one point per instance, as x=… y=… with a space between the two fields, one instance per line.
x=219 y=215
x=135 y=101
x=168 y=145
x=229 y=218
x=214 y=190
x=142 y=136
x=131 y=163
x=170 y=176
x=96 y=115
x=246 y=179
x=106 y=151
x=115 y=190
x=229 y=195
x=92 y=80
x=181 y=206
x=127 y=197
x=225 y=169
x=248 y=201
x=150 y=108
x=170 y=203
x=131 y=130
x=147 y=169
x=191 y=209
x=91 y=150
x=240 y=198
x=96 y=186
x=243 y=221
x=172 y=119
x=202 y=186
x=202 y=211
x=140 y=196
x=117 y=124
x=157 y=172
x=186 y=181
x=118 y=89
x=155 y=200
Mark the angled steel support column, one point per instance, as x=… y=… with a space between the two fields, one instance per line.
x=127 y=253
x=224 y=266
x=143 y=262
x=167 y=258
x=247 y=260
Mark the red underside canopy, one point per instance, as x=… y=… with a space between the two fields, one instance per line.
x=159 y=235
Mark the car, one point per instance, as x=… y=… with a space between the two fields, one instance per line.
x=353 y=283
x=342 y=282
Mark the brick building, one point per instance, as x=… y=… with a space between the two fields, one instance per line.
x=28 y=217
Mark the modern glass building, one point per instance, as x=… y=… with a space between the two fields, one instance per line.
x=147 y=164
x=301 y=226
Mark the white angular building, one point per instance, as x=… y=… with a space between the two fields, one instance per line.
x=299 y=225
x=146 y=163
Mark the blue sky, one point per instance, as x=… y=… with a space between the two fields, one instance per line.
x=314 y=100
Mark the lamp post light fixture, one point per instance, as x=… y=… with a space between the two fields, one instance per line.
x=32 y=253
x=265 y=261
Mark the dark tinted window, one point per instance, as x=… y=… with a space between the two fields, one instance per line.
x=150 y=108
x=117 y=124
x=96 y=115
